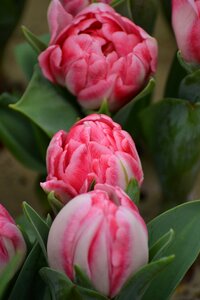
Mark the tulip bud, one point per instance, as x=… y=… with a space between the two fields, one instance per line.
x=186 y=25
x=95 y=149
x=103 y=233
x=11 y=240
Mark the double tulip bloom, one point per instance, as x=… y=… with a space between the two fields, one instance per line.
x=11 y=240
x=98 y=55
x=103 y=233
x=95 y=149
x=186 y=25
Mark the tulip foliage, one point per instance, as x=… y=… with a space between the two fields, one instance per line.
x=86 y=111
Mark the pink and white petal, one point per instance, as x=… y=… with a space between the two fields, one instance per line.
x=54 y=151
x=63 y=233
x=74 y=174
x=45 y=64
x=91 y=97
x=63 y=191
x=183 y=17
x=5 y=215
x=74 y=6
x=195 y=42
x=74 y=48
x=99 y=264
x=131 y=167
x=97 y=8
x=120 y=39
x=76 y=76
x=152 y=46
x=135 y=235
x=58 y=19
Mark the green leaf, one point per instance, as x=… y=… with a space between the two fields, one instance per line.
x=39 y=226
x=26 y=228
x=10 y=12
x=128 y=116
x=176 y=74
x=27 y=58
x=116 y=2
x=46 y=105
x=37 y=44
x=18 y=135
x=136 y=286
x=82 y=279
x=185 y=221
x=104 y=109
x=8 y=273
x=61 y=287
x=171 y=129
x=157 y=249
x=133 y=191
x=189 y=67
x=54 y=203
x=28 y=283
x=90 y=294
x=59 y=284
x=124 y=8
x=143 y=13
x=190 y=87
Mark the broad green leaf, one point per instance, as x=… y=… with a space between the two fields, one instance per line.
x=176 y=74
x=10 y=12
x=39 y=226
x=171 y=129
x=136 y=286
x=37 y=44
x=133 y=191
x=28 y=283
x=190 y=87
x=90 y=294
x=8 y=273
x=128 y=116
x=27 y=58
x=157 y=249
x=26 y=229
x=18 y=135
x=61 y=287
x=42 y=141
x=185 y=221
x=46 y=105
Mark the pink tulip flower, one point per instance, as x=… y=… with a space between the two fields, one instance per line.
x=95 y=149
x=186 y=25
x=103 y=233
x=11 y=240
x=99 y=56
